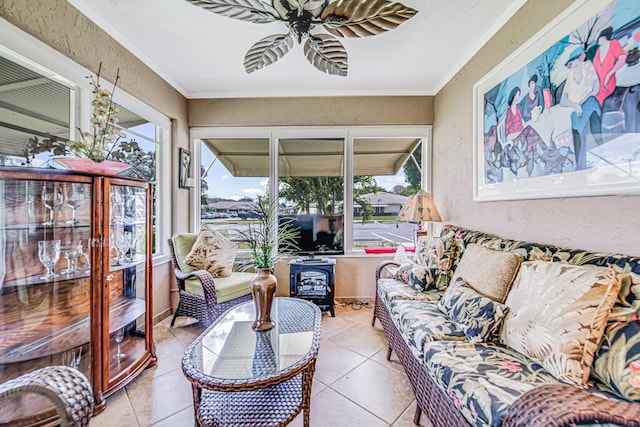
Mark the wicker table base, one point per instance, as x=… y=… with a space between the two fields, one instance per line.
x=242 y=377
x=273 y=406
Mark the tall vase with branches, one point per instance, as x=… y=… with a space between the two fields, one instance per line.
x=269 y=241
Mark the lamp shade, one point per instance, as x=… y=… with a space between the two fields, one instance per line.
x=419 y=207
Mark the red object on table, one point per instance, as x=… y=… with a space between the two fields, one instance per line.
x=387 y=250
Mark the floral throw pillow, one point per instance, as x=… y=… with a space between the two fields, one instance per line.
x=417 y=276
x=437 y=253
x=479 y=317
x=213 y=252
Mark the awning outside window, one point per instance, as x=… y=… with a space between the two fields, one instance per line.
x=312 y=157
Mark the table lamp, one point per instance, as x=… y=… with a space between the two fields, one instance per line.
x=418 y=208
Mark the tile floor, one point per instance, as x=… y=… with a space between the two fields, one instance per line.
x=354 y=385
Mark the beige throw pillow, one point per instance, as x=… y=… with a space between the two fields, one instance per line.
x=213 y=252
x=488 y=272
x=557 y=314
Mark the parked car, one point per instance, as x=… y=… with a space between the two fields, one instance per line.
x=249 y=215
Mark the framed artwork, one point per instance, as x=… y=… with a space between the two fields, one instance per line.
x=560 y=117
x=185 y=168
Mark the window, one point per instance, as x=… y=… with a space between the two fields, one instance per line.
x=40 y=102
x=35 y=114
x=360 y=175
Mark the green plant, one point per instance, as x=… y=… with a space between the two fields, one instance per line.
x=36 y=146
x=268 y=241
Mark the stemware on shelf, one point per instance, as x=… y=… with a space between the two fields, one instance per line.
x=72 y=357
x=75 y=196
x=119 y=336
x=52 y=198
x=71 y=252
x=49 y=254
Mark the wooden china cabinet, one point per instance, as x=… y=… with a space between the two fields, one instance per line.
x=75 y=281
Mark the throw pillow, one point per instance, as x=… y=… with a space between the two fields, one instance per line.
x=436 y=253
x=213 y=252
x=489 y=272
x=479 y=317
x=417 y=276
x=557 y=314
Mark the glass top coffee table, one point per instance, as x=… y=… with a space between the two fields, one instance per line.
x=241 y=377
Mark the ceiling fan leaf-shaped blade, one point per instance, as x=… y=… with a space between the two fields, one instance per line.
x=327 y=54
x=255 y=11
x=267 y=51
x=364 y=18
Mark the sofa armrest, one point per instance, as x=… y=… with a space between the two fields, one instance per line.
x=383 y=265
x=563 y=405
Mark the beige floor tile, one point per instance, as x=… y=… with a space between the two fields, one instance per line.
x=362 y=339
x=334 y=361
x=381 y=390
x=356 y=312
x=183 y=418
x=406 y=419
x=334 y=325
x=381 y=357
x=329 y=408
x=118 y=412
x=155 y=398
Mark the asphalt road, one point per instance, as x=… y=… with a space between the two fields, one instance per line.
x=388 y=232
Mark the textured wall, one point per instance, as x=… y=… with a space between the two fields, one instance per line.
x=317 y=111
x=594 y=223
x=61 y=26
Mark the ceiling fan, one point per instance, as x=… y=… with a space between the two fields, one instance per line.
x=343 y=18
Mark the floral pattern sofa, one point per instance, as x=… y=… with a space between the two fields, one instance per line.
x=463 y=373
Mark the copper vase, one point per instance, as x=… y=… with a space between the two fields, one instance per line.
x=263 y=287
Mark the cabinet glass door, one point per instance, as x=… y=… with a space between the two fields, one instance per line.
x=45 y=281
x=127 y=278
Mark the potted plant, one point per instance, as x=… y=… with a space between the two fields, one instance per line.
x=269 y=241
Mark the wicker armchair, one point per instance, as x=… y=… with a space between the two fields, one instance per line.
x=201 y=296
x=67 y=388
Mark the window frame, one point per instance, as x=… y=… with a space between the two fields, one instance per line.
x=347 y=134
x=32 y=53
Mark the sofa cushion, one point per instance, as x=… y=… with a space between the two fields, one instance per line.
x=417 y=276
x=557 y=314
x=227 y=288
x=212 y=252
x=617 y=361
x=420 y=322
x=437 y=253
x=489 y=272
x=478 y=316
x=390 y=290
x=483 y=379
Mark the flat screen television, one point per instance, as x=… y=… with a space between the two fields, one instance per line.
x=319 y=234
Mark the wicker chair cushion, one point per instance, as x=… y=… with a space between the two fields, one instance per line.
x=436 y=253
x=488 y=271
x=483 y=379
x=557 y=315
x=227 y=288
x=478 y=316
x=390 y=290
x=421 y=322
x=182 y=244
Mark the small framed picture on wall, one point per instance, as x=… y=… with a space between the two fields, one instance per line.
x=185 y=168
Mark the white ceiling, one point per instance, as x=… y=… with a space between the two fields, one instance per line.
x=201 y=53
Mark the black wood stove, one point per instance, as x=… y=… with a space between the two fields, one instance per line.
x=313 y=279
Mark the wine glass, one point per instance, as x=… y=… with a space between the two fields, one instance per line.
x=75 y=197
x=119 y=336
x=49 y=254
x=85 y=255
x=72 y=357
x=52 y=198
x=71 y=253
